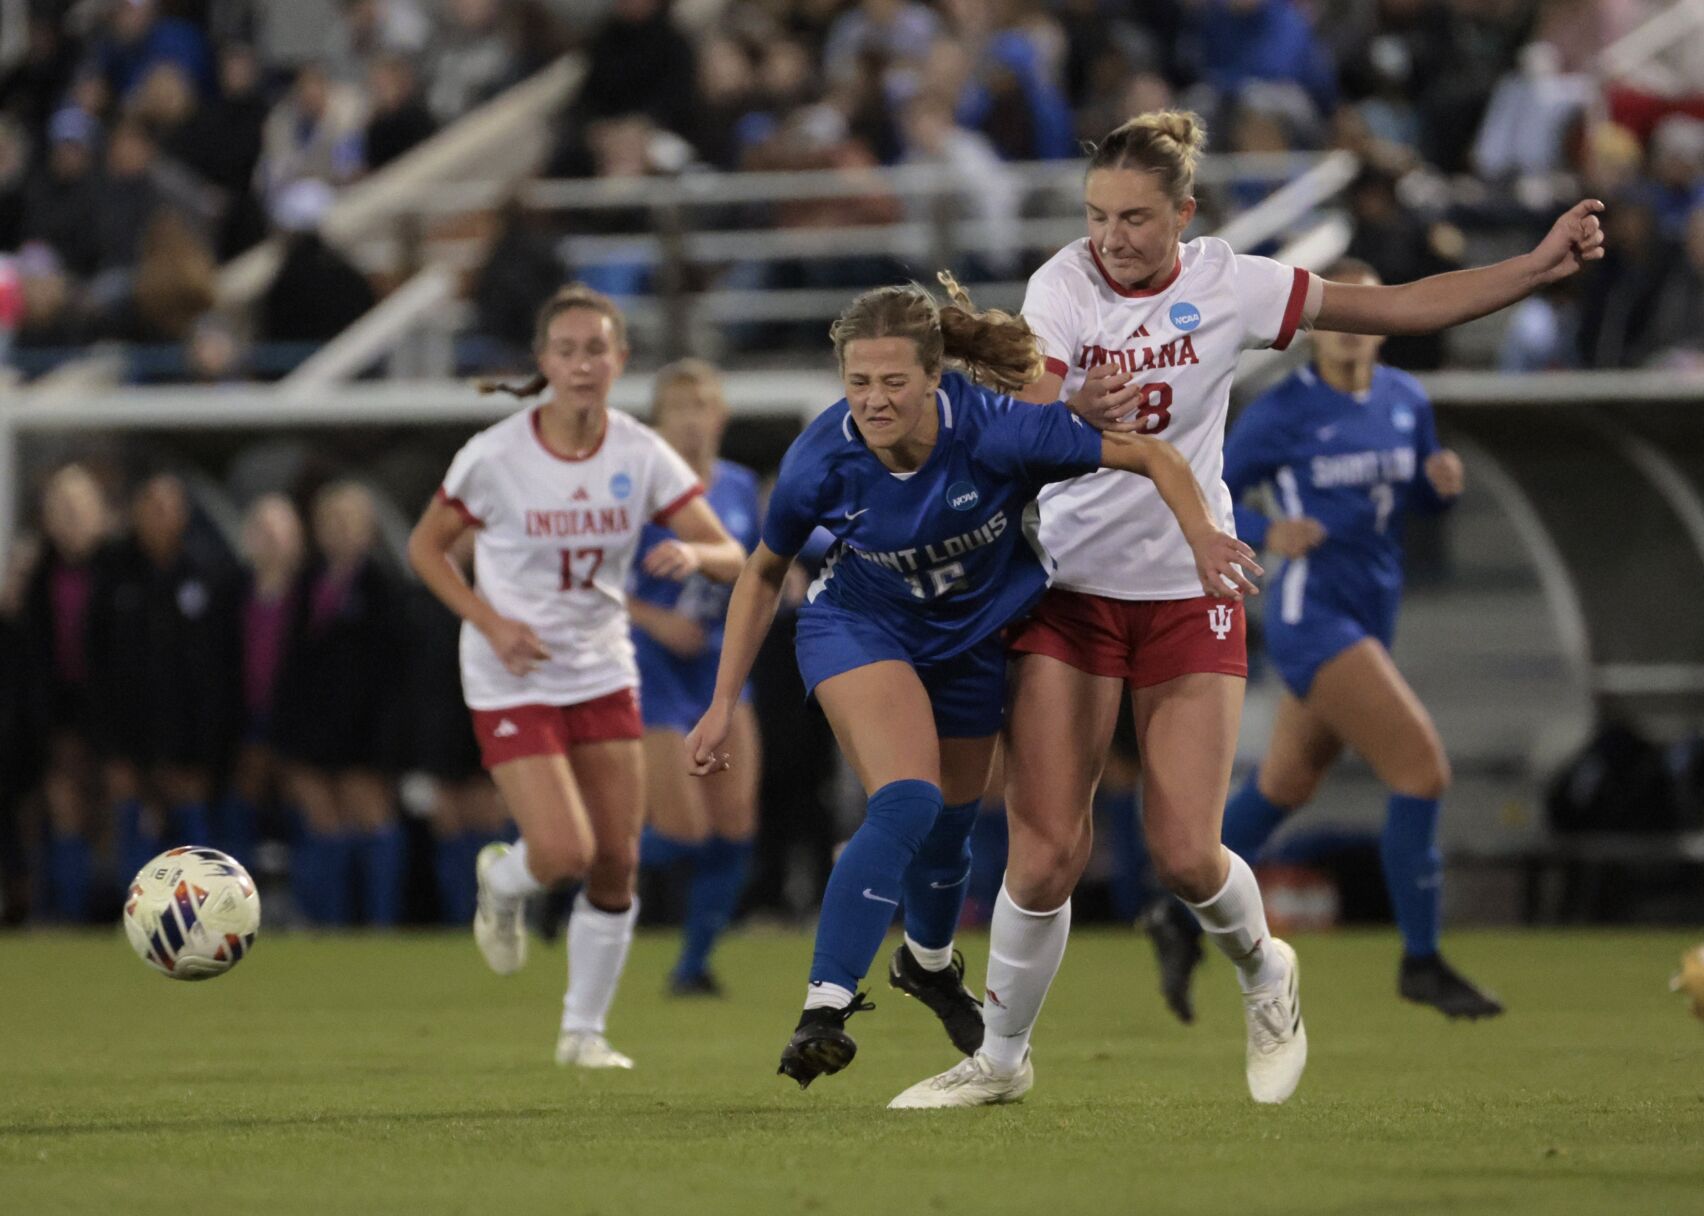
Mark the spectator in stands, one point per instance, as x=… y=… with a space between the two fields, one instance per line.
x=159 y=622
x=472 y=59
x=273 y=553
x=55 y=636
x=1678 y=316
x=34 y=87
x=136 y=37
x=399 y=119
x=1619 y=295
x=1014 y=101
x=316 y=294
x=314 y=132
x=728 y=89
x=50 y=314
x=62 y=207
x=14 y=172
x=335 y=716
x=382 y=28
x=638 y=62
x=223 y=143
x=896 y=34
x=521 y=272
x=1236 y=42
x=1402 y=246
x=1531 y=114
x=1677 y=172
x=130 y=196
x=176 y=280
x=213 y=352
x=1543 y=332
x=985 y=189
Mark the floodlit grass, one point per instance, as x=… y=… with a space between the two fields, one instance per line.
x=396 y=1075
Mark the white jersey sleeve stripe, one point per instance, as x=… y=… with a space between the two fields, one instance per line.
x=1293 y=309
x=460 y=508
x=661 y=518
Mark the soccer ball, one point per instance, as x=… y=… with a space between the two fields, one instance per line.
x=192 y=913
x=1690 y=979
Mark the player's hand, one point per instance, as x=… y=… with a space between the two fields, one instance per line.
x=676 y=633
x=704 y=751
x=1223 y=564
x=672 y=559
x=1446 y=473
x=1107 y=394
x=1294 y=537
x=1573 y=240
x=516 y=645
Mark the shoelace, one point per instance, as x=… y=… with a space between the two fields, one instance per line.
x=858 y=1005
x=1270 y=1021
x=962 y=1073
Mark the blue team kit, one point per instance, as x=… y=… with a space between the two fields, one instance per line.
x=675 y=692
x=927 y=568
x=1356 y=463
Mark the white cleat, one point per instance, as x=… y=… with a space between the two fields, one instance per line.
x=1277 y=1040
x=970 y=1082
x=588 y=1049
x=497 y=925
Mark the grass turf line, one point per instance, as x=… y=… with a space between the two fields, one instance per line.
x=395 y=1074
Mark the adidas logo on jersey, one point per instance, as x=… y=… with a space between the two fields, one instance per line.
x=505 y=730
x=580 y=495
x=1141 y=331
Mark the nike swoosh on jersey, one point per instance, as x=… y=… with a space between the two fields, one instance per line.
x=857 y=513
x=881 y=899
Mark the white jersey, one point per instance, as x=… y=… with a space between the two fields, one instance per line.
x=556 y=538
x=1110 y=532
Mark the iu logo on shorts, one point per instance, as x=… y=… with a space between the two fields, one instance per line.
x=1219 y=620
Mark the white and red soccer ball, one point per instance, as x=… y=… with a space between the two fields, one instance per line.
x=192 y=913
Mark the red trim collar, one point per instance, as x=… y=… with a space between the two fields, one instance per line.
x=1138 y=293
x=538 y=434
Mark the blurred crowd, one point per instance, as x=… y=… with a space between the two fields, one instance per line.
x=145 y=142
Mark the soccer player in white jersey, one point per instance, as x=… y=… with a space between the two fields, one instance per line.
x=1165 y=319
x=559 y=493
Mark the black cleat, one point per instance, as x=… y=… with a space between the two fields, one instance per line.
x=1176 y=935
x=702 y=984
x=944 y=993
x=1432 y=981
x=820 y=1045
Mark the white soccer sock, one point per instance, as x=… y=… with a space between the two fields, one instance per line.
x=1024 y=952
x=930 y=958
x=597 y=951
x=510 y=877
x=823 y=995
x=1236 y=921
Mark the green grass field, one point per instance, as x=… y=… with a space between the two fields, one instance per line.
x=380 y=1075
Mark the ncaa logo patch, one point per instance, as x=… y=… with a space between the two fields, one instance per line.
x=1185 y=316
x=621 y=485
x=962 y=496
x=1402 y=418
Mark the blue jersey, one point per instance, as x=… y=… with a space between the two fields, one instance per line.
x=1356 y=463
x=942 y=558
x=732 y=494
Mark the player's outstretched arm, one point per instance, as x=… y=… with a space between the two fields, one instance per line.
x=1220 y=558
x=429 y=545
x=1442 y=300
x=751 y=611
x=704 y=547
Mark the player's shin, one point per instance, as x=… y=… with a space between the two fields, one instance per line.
x=1025 y=949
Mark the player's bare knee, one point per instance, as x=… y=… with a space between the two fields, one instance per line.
x=1291 y=789
x=1427 y=779
x=558 y=857
x=1194 y=874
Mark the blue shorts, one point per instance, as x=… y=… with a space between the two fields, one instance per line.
x=674 y=692
x=1318 y=633
x=967 y=691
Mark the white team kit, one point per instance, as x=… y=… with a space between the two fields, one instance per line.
x=556 y=538
x=1111 y=533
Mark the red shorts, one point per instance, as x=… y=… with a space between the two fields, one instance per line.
x=1142 y=642
x=550 y=730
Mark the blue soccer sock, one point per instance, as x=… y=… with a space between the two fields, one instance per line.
x=320 y=875
x=1250 y=820
x=380 y=858
x=718 y=879
x=657 y=849
x=137 y=845
x=68 y=859
x=453 y=860
x=867 y=882
x=938 y=879
x=188 y=823
x=1414 y=871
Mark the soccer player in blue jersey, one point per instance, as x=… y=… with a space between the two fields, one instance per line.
x=928 y=482
x=1349 y=447
x=677 y=637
